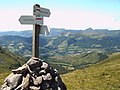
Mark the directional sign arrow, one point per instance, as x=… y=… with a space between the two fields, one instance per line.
x=44 y=30
x=31 y=20
x=39 y=11
x=44 y=12
x=27 y=20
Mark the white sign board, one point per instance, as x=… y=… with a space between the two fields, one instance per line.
x=31 y=20
x=36 y=10
x=42 y=12
x=44 y=30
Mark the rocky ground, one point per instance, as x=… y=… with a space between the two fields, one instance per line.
x=36 y=74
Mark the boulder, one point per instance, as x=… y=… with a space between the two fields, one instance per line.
x=47 y=76
x=36 y=74
x=13 y=80
x=44 y=65
x=37 y=80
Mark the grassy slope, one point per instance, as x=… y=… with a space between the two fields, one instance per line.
x=70 y=62
x=8 y=61
x=102 y=76
x=3 y=76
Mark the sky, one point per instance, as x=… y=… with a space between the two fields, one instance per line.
x=69 y=14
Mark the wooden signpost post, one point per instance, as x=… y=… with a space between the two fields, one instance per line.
x=38 y=28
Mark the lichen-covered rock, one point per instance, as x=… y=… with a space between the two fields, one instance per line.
x=34 y=75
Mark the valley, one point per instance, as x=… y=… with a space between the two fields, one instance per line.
x=63 y=42
x=84 y=56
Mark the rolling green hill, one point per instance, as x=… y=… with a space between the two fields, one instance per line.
x=63 y=64
x=102 y=76
x=72 y=62
x=61 y=41
x=8 y=61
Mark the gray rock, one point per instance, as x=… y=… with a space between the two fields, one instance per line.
x=37 y=81
x=13 y=80
x=56 y=72
x=53 y=72
x=7 y=88
x=34 y=65
x=60 y=83
x=47 y=76
x=59 y=88
x=20 y=70
x=44 y=65
x=34 y=88
x=45 y=85
x=25 y=83
x=33 y=61
x=42 y=72
x=34 y=75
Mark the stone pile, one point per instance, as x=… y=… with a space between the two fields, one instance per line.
x=34 y=75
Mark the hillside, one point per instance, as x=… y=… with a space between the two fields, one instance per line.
x=9 y=61
x=72 y=62
x=102 y=76
x=63 y=42
x=26 y=33
x=63 y=64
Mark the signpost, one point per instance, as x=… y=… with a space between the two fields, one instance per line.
x=44 y=30
x=38 y=28
x=31 y=20
x=44 y=12
x=40 y=11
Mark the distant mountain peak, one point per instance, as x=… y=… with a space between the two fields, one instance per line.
x=89 y=28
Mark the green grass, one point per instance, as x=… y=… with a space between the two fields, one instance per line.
x=102 y=76
x=3 y=76
x=78 y=61
x=8 y=61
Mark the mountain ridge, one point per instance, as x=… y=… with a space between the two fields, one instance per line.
x=54 y=32
x=61 y=41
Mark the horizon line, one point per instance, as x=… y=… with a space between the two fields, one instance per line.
x=59 y=29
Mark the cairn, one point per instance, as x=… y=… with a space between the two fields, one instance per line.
x=36 y=74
